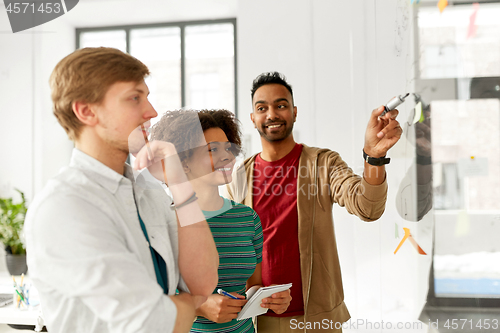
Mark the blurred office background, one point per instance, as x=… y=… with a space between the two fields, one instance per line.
x=343 y=59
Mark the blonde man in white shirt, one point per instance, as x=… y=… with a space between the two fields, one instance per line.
x=105 y=248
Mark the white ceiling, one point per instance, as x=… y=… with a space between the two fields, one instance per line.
x=92 y=13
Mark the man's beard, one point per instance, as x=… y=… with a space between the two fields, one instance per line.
x=282 y=137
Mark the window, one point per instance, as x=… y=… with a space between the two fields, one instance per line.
x=447 y=50
x=192 y=64
x=210 y=66
x=108 y=38
x=459 y=79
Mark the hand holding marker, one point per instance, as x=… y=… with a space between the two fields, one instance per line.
x=394 y=103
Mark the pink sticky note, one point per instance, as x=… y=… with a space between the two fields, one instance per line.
x=471 y=31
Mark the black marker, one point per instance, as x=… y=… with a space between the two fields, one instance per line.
x=393 y=103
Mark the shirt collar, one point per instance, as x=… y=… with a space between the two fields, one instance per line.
x=98 y=172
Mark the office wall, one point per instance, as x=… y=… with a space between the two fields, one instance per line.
x=344 y=59
x=33 y=145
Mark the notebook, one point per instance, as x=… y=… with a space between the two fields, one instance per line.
x=252 y=308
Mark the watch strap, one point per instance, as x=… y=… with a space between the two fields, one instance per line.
x=376 y=161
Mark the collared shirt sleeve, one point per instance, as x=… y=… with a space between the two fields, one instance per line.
x=351 y=191
x=110 y=280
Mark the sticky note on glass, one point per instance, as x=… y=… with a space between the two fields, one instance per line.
x=418 y=113
x=422 y=118
x=413 y=242
x=463 y=225
x=471 y=31
x=472 y=167
x=442 y=5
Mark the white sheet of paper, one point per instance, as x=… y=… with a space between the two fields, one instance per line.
x=253 y=308
x=471 y=167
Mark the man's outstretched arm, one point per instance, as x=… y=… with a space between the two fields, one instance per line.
x=366 y=196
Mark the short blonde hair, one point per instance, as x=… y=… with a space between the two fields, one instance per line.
x=86 y=75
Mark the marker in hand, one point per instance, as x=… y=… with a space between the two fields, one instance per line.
x=225 y=293
x=393 y=103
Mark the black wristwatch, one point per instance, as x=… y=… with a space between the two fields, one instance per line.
x=376 y=161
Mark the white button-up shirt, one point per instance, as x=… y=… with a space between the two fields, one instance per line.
x=88 y=256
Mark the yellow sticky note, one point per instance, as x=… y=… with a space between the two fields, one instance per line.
x=442 y=5
x=405 y=237
x=412 y=241
x=463 y=226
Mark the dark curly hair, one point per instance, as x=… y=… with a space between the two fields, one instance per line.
x=182 y=129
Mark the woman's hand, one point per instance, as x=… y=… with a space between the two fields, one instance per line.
x=221 y=309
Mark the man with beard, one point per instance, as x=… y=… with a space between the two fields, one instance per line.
x=106 y=254
x=293 y=187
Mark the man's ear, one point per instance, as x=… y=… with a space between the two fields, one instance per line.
x=251 y=118
x=85 y=112
x=294 y=113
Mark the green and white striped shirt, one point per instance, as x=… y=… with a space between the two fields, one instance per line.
x=237 y=234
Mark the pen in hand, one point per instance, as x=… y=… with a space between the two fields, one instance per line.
x=225 y=293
